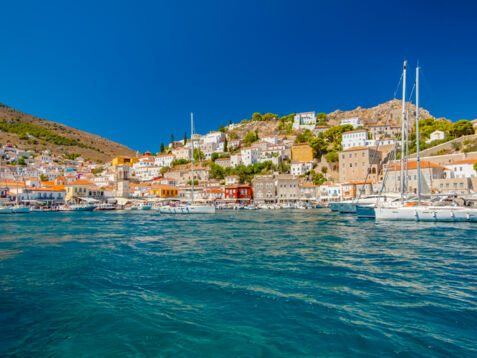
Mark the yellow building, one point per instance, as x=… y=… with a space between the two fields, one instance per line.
x=302 y=153
x=82 y=188
x=164 y=191
x=124 y=160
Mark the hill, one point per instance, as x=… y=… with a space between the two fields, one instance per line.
x=30 y=132
x=385 y=113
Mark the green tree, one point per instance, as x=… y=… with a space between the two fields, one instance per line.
x=269 y=116
x=185 y=138
x=332 y=157
x=319 y=146
x=475 y=166
x=333 y=135
x=216 y=171
x=214 y=156
x=43 y=177
x=162 y=148
x=226 y=145
x=230 y=122
x=321 y=118
x=304 y=137
x=221 y=129
x=250 y=137
x=256 y=117
x=233 y=135
x=324 y=170
x=462 y=127
x=172 y=140
x=198 y=154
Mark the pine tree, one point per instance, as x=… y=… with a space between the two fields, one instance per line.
x=185 y=138
x=162 y=147
x=225 y=145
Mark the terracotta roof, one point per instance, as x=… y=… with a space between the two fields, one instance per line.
x=464 y=161
x=356 y=131
x=81 y=182
x=413 y=165
x=356 y=148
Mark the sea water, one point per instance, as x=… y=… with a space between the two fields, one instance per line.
x=297 y=283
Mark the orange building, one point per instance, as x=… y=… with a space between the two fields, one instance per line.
x=164 y=191
x=302 y=153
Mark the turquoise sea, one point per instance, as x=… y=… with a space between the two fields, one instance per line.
x=298 y=283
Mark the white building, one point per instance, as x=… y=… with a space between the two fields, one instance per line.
x=300 y=168
x=462 y=169
x=272 y=139
x=250 y=155
x=305 y=120
x=354 y=121
x=436 y=135
x=231 y=180
x=353 y=139
x=235 y=159
x=330 y=192
x=164 y=160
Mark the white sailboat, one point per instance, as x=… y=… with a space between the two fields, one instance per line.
x=416 y=211
x=192 y=208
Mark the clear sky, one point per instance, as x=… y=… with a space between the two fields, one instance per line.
x=132 y=71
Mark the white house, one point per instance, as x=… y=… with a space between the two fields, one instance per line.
x=356 y=138
x=463 y=168
x=436 y=135
x=231 y=180
x=272 y=139
x=330 y=192
x=305 y=120
x=164 y=160
x=250 y=155
x=300 y=168
x=235 y=159
x=354 y=121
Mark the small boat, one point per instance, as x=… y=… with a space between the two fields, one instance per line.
x=20 y=209
x=77 y=207
x=105 y=207
x=5 y=210
x=144 y=206
x=187 y=209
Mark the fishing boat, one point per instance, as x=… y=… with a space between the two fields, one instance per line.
x=191 y=208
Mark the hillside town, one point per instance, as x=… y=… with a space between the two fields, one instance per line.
x=308 y=161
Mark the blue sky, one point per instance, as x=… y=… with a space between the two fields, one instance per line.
x=133 y=71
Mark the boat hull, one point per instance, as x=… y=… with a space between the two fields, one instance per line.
x=21 y=210
x=432 y=214
x=365 y=211
x=187 y=210
x=5 y=211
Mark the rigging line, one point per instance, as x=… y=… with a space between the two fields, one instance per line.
x=412 y=91
x=398 y=85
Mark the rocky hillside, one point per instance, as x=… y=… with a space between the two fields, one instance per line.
x=30 y=132
x=385 y=113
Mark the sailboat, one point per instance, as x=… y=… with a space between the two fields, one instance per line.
x=192 y=208
x=416 y=211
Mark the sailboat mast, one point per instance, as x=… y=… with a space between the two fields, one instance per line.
x=192 y=146
x=403 y=119
x=418 y=157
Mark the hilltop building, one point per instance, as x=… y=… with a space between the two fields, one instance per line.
x=304 y=120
